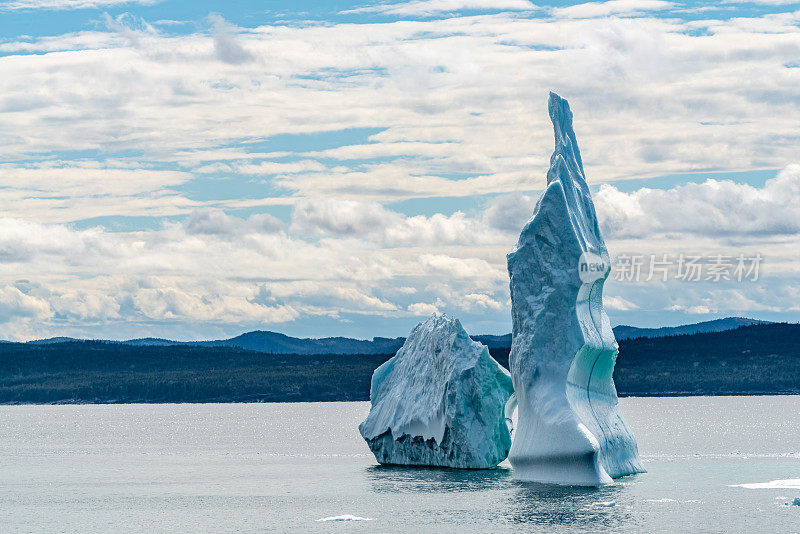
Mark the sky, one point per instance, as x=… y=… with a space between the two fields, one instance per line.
x=194 y=170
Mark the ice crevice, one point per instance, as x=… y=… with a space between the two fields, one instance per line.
x=440 y=401
x=569 y=428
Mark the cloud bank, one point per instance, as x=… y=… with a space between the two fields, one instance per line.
x=358 y=174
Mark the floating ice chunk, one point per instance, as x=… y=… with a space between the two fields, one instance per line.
x=346 y=517
x=788 y=483
x=604 y=504
x=569 y=429
x=796 y=501
x=439 y=402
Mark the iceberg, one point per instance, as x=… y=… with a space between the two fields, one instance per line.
x=569 y=428
x=440 y=401
x=787 y=483
x=345 y=517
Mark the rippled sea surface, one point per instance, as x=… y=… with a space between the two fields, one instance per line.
x=286 y=467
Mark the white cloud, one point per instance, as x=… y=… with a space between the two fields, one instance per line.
x=612 y=7
x=762 y=2
x=227 y=46
x=15 y=304
x=217 y=222
x=84 y=306
x=459 y=267
x=60 y=43
x=69 y=191
x=422 y=309
x=452 y=108
x=451 y=97
x=372 y=221
x=62 y=5
x=341 y=258
x=481 y=301
x=341 y=217
x=509 y=213
x=216 y=269
x=431 y=7
x=170 y=303
x=619 y=303
x=693 y=310
x=715 y=208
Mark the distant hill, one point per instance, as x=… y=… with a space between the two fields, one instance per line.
x=761 y=359
x=755 y=359
x=265 y=341
x=52 y=340
x=148 y=342
x=494 y=342
x=716 y=325
x=277 y=343
x=749 y=360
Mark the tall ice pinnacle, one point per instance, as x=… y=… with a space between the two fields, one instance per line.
x=563 y=352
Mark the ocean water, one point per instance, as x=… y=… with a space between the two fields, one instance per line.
x=286 y=467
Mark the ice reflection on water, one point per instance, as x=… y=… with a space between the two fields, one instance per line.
x=519 y=502
x=242 y=468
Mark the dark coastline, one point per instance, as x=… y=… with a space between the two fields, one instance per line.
x=751 y=360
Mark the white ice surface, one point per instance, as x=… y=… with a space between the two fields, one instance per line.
x=569 y=428
x=440 y=401
x=788 y=483
x=345 y=517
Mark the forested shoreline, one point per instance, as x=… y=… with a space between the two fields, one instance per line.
x=751 y=360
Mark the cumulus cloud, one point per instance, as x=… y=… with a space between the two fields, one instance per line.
x=68 y=191
x=762 y=2
x=226 y=44
x=422 y=309
x=344 y=257
x=509 y=213
x=353 y=117
x=217 y=222
x=694 y=310
x=715 y=208
x=619 y=303
x=451 y=97
x=430 y=7
x=62 y=5
x=169 y=303
x=371 y=220
x=213 y=268
x=481 y=301
x=15 y=304
x=24 y=241
x=612 y=7
x=459 y=267
x=128 y=24
x=341 y=217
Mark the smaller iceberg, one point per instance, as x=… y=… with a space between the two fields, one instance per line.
x=345 y=517
x=440 y=401
x=787 y=483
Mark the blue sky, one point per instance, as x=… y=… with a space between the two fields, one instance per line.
x=195 y=169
